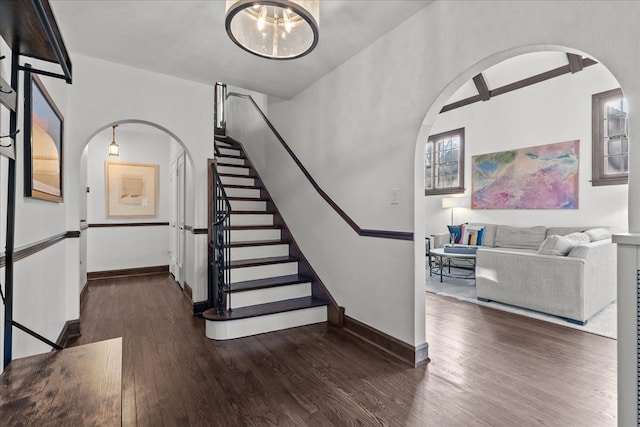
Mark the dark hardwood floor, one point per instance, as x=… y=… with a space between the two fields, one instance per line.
x=488 y=368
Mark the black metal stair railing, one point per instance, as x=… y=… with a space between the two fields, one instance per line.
x=219 y=249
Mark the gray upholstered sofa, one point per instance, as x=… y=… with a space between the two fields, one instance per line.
x=533 y=268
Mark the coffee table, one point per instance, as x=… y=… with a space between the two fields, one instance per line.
x=442 y=257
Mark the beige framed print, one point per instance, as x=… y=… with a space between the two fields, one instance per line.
x=131 y=189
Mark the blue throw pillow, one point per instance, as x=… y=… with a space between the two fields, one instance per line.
x=456 y=232
x=480 y=237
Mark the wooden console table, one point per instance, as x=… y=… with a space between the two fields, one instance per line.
x=75 y=386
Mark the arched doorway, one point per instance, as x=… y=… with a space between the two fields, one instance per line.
x=615 y=206
x=136 y=239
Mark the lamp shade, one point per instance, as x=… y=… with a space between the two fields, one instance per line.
x=452 y=202
x=274 y=29
x=114 y=149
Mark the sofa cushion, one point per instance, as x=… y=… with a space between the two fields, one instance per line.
x=520 y=237
x=596 y=234
x=562 y=245
x=563 y=231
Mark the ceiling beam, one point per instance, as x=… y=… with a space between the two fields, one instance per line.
x=565 y=69
x=575 y=62
x=481 y=85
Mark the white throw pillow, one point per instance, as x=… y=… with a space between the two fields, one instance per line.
x=578 y=239
x=596 y=234
x=546 y=247
x=562 y=245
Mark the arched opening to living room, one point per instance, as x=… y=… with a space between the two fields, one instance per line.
x=137 y=205
x=521 y=103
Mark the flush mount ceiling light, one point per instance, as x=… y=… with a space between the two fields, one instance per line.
x=274 y=29
x=114 y=149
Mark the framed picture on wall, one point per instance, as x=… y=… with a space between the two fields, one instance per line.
x=540 y=177
x=131 y=189
x=43 y=143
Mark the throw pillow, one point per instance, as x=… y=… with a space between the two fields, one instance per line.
x=463 y=235
x=579 y=251
x=474 y=234
x=548 y=245
x=596 y=234
x=562 y=245
x=455 y=231
x=578 y=238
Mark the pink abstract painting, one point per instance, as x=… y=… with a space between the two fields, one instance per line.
x=542 y=177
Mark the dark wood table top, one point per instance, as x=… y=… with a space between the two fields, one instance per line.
x=75 y=386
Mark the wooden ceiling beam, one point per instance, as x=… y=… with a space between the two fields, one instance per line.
x=481 y=86
x=575 y=62
x=565 y=69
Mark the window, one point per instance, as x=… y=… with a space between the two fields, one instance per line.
x=444 y=163
x=609 y=142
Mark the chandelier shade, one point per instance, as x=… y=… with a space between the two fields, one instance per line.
x=274 y=29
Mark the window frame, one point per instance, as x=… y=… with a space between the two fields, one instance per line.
x=449 y=190
x=598 y=176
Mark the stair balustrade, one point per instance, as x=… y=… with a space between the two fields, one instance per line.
x=219 y=256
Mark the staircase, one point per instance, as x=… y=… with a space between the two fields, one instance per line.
x=267 y=290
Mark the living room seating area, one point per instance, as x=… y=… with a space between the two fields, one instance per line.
x=568 y=272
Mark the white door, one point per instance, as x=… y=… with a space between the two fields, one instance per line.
x=173 y=220
x=180 y=189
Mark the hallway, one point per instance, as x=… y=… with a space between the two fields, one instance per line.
x=488 y=368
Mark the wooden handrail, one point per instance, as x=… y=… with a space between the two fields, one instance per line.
x=384 y=234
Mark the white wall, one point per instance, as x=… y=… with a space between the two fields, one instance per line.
x=360 y=272
x=5 y=73
x=44 y=296
x=182 y=108
x=127 y=247
x=360 y=127
x=555 y=110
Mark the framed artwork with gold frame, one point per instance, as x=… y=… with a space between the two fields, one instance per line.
x=131 y=189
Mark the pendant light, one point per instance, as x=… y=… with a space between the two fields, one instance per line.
x=274 y=29
x=114 y=149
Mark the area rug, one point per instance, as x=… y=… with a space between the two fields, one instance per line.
x=603 y=323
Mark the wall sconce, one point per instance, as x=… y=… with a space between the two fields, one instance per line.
x=114 y=149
